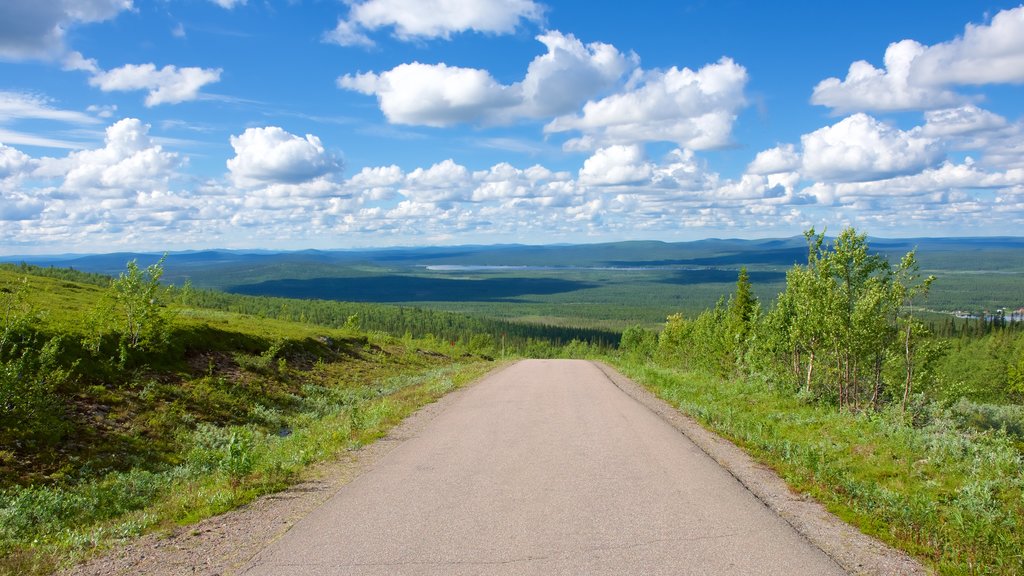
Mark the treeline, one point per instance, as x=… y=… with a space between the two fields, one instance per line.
x=68 y=274
x=400 y=320
x=844 y=332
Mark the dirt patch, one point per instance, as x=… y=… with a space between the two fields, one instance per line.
x=855 y=551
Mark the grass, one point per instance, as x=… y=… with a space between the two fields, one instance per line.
x=950 y=496
x=233 y=407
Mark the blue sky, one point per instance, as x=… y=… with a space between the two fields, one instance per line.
x=168 y=125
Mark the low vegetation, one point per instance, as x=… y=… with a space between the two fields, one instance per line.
x=915 y=438
x=126 y=409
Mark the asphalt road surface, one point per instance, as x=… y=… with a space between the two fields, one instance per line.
x=545 y=467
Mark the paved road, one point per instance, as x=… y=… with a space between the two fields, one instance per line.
x=543 y=468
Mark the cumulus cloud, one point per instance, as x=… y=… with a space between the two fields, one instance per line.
x=19 y=208
x=918 y=77
x=860 y=147
x=270 y=155
x=417 y=19
x=985 y=54
x=377 y=177
x=870 y=88
x=167 y=85
x=432 y=94
x=775 y=160
x=948 y=180
x=34 y=29
x=443 y=182
x=960 y=121
x=129 y=162
x=558 y=81
x=13 y=162
x=503 y=182
x=437 y=95
x=694 y=109
x=616 y=165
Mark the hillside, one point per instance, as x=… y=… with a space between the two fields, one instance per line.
x=104 y=438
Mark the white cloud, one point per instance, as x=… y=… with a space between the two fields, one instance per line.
x=20 y=105
x=75 y=61
x=960 y=121
x=377 y=177
x=19 y=208
x=229 y=4
x=412 y=19
x=503 y=182
x=34 y=139
x=13 y=162
x=128 y=163
x=556 y=82
x=167 y=85
x=616 y=165
x=985 y=54
x=695 y=110
x=869 y=88
x=432 y=95
x=917 y=77
x=775 y=160
x=938 y=184
x=36 y=29
x=860 y=148
x=348 y=34
x=271 y=155
x=443 y=182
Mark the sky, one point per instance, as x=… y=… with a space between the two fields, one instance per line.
x=193 y=124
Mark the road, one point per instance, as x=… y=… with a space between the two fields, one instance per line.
x=545 y=467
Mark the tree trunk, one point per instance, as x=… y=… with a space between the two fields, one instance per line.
x=909 y=359
x=878 y=382
x=810 y=370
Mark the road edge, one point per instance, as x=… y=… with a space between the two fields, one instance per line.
x=854 y=551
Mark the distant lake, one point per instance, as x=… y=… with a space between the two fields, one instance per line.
x=482 y=268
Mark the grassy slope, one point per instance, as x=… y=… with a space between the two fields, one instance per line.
x=952 y=498
x=236 y=407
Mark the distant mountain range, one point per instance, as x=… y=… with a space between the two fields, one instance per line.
x=998 y=254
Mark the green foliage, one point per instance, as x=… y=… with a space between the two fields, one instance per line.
x=639 y=342
x=31 y=373
x=834 y=333
x=742 y=306
x=1015 y=377
x=133 y=313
